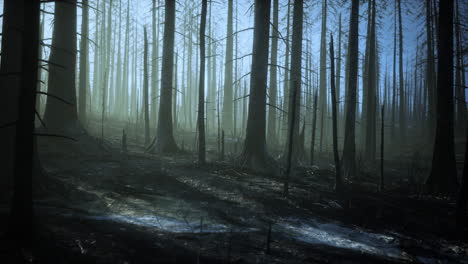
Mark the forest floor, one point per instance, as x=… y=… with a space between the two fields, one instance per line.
x=96 y=204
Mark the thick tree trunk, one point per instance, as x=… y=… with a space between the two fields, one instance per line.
x=60 y=117
x=255 y=153
x=293 y=142
x=10 y=81
x=201 y=87
x=164 y=141
x=349 y=148
x=21 y=218
x=296 y=77
x=443 y=175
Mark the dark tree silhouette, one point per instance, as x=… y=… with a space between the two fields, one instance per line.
x=336 y=155
x=255 y=153
x=60 y=117
x=349 y=147
x=21 y=219
x=10 y=68
x=201 y=87
x=443 y=175
x=164 y=141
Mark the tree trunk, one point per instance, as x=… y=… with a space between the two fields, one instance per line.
x=155 y=63
x=349 y=148
x=10 y=81
x=323 y=77
x=272 y=138
x=370 y=136
x=84 y=44
x=296 y=77
x=255 y=154
x=164 y=141
x=145 y=86
x=286 y=92
x=60 y=117
x=443 y=175
x=293 y=142
x=201 y=88
x=314 y=126
x=21 y=215
x=227 y=105
x=338 y=185
x=430 y=73
x=402 y=115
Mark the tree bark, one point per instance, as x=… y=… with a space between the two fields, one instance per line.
x=164 y=141
x=443 y=175
x=60 y=117
x=255 y=155
x=402 y=115
x=201 y=88
x=273 y=100
x=84 y=44
x=296 y=77
x=338 y=184
x=349 y=148
x=227 y=105
x=21 y=215
x=145 y=86
x=10 y=81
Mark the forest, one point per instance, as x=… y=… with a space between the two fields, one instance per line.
x=233 y=131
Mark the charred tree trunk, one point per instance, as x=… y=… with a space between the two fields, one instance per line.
x=273 y=100
x=349 y=148
x=338 y=185
x=155 y=63
x=10 y=81
x=370 y=134
x=22 y=214
x=145 y=86
x=164 y=141
x=314 y=128
x=323 y=76
x=255 y=153
x=60 y=117
x=293 y=147
x=430 y=73
x=227 y=105
x=443 y=175
x=402 y=115
x=83 y=64
x=201 y=87
x=296 y=77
